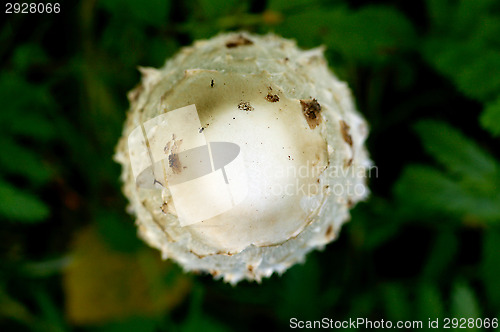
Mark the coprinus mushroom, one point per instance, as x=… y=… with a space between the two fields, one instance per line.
x=242 y=154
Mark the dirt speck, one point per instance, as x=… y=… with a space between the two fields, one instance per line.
x=240 y=40
x=245 y=106
x=344 y=128
x=171 y=149
x=212 y=84
x=174 y=163
x=272 y=98
x=329 y=231
x=164 y=208
x=348 y=163
x=311 y=110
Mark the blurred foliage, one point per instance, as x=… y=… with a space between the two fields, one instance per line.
x=102 y=284
x=426 y=244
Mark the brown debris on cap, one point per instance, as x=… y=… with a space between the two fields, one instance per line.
x=272 y=98
x=311 y=110
x=174 y=163
x=240 y=40
x=344 y=128
x=245 y=106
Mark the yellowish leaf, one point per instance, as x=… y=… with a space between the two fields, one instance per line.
x=102 y=285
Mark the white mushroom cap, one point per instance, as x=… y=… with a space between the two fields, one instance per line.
x=298 y=165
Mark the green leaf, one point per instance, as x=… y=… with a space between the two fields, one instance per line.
x=33 y=126
x=23 y=108
x=117 y=233
x=310 y=27
x=480 y=78
x=51 y=314
x=425 y=189
x=490 y=266
x=11 y=308
x=284 y=5
x=455 y=151
x=370 y=35
x=215 y=8
x=362 y=304
x=490 y=118
x=447 y=54
x=204 y=323
x=159 y=49
x=439 y=12
x=466 y=13
x=429 y=302
x=153 y=12
x=16 y=205
x=488 y=30
x=130 y=324
x=27 y=55
x=197 y=320
x=301 y=286
x=428 y=188
x=471 y=188
x=463 y=302
x=116 y=40
x=16 y=159
x=46 y=267
x=19 y=96
x=442 y=254
x=464 y=48
x=376 y=223
x=395 y=300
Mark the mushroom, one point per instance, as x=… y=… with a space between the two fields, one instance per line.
x=241 y=155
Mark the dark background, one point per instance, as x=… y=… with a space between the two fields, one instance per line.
x=425 y=74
